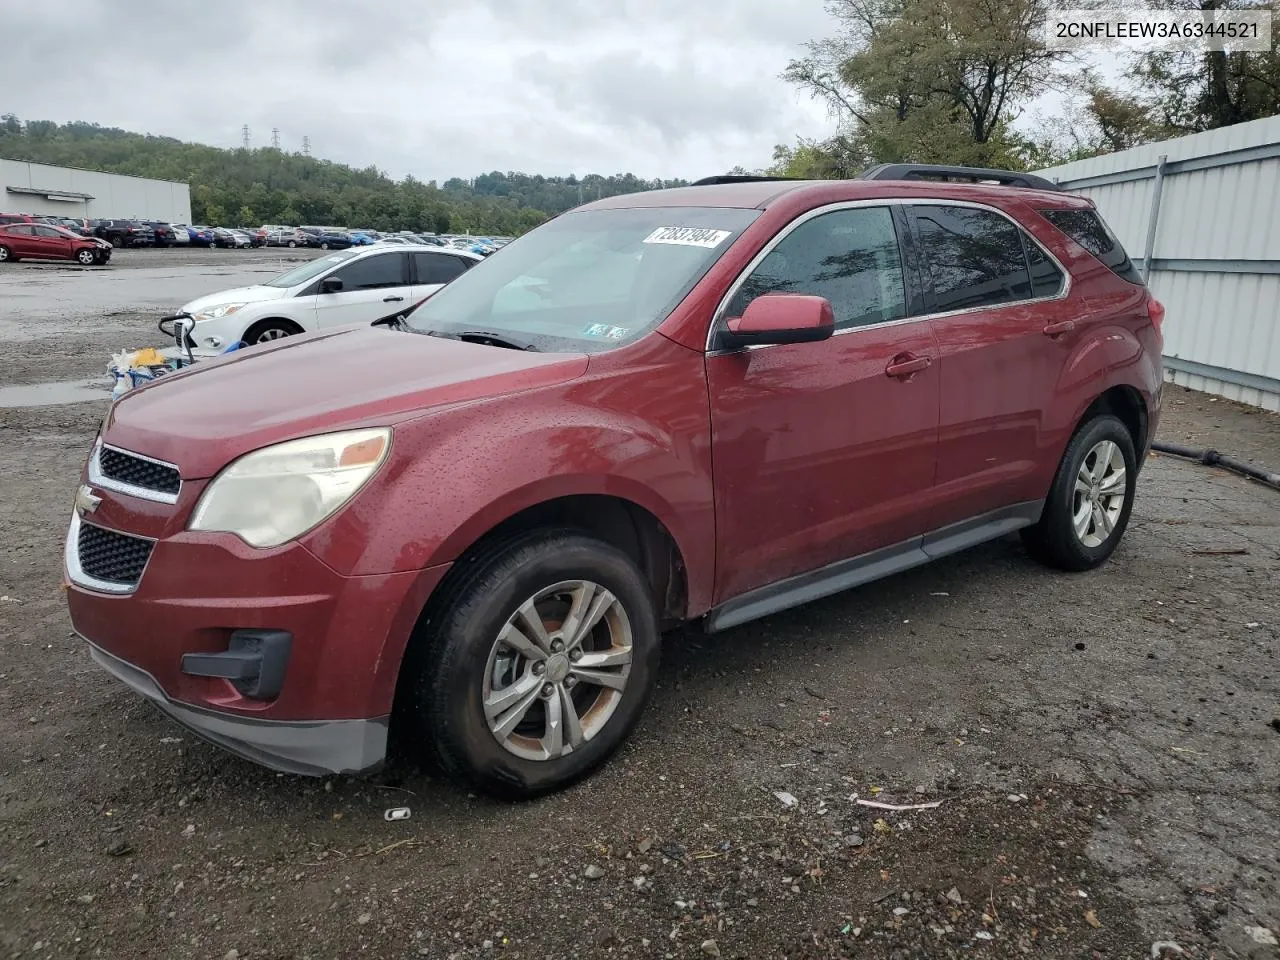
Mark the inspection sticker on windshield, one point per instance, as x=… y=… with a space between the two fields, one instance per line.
x=607 y=331
x=688 y=236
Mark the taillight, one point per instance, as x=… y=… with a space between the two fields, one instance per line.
x=1155 y=310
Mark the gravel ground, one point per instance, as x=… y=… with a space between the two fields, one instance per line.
x=1105 y=748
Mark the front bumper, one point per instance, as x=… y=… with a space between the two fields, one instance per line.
x=308 y=747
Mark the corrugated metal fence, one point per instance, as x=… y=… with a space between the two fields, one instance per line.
x=1200 y=215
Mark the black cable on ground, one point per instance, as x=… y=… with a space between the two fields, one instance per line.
x=1212 y=458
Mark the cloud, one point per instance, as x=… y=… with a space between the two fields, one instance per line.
x=656 y=87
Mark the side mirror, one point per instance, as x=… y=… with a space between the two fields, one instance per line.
x=331 y=285
x=778 y=318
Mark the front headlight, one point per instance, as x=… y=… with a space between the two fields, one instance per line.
x=215 y=312
x=278 y=493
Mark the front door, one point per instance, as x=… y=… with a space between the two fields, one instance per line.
x=824 y=451
x=996 y=301
x=372 y=287
x=52 y=244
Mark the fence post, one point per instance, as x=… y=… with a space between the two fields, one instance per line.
x=1154 y=219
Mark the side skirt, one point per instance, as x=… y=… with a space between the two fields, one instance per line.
x=855 y=571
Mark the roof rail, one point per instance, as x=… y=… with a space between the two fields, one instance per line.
x=735 y=178
x=929 y=171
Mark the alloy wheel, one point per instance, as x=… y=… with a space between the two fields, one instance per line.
x=271 y=333
x=557 y=670
x=1098 y=497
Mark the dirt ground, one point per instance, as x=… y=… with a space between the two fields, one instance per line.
x=1105 y=747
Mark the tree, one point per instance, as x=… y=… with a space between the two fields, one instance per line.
x=930 y=80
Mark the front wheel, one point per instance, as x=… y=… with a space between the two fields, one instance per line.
x=265 y=331
x=86 y=257
x=535 y=665
x=1090 y=500
x=292 y=244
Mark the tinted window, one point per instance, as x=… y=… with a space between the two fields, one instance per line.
x=371 y=273
x=437 y=267
x=1086 y=228
x=850 y=257
x=9 y=218
x=1046 y=278
x=974 y=256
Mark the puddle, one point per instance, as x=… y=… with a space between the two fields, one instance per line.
x=52 y=394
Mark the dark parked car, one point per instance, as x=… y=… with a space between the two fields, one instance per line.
x=125 y=233
x=42 y=241
x=707 y=404
x=163 y=232
x=77 y=225
x=201 y=236
x=292 y=237
x=230 y=239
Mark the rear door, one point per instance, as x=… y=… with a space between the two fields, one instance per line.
x=20 y=238
x=824 y=451
x=431 y=271
x=996 y=300
x=372 y=287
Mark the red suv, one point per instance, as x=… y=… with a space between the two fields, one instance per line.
x=706 y=404
x=42 y=241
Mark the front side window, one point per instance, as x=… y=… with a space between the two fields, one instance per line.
x=49 y=232
x=975 y=257
x=850 y=257
x=373 y=273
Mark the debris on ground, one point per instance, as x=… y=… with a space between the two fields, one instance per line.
x=1263 y=936
x=1092 y=920
x=1162 y=947
x=788 y=800
x=710 y=948
x=593 y=872
x=397 y=813
x=879 y=805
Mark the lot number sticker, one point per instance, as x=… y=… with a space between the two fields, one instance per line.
x=688 y=236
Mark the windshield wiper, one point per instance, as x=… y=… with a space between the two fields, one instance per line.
x=485 y=337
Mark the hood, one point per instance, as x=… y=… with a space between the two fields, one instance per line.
x=205 y=417
x=256 y=294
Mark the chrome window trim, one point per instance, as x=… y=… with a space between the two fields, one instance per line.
x=98 y=479
x=768 y=248
x=76 y=574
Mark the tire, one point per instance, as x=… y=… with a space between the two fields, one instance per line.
x=86 y=257
x=324 y=245
x=456 y=663
x=117 y=242
x=5 y=255
x=1093 y=457
x=292 y=244
x=265 y=331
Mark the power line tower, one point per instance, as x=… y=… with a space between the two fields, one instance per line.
x=244 y=136
x=306 y=146
x=275 y=138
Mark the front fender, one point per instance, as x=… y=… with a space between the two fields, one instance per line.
x=641 y=435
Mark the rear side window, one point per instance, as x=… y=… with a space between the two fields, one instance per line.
x=437 y=267
x=1086 y=228
x=1046 y=278
x=850 y=257
x=975 y=257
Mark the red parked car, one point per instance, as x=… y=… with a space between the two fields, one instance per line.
x=42 y=241
x=704 y=404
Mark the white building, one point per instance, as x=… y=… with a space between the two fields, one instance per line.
x=66 y=192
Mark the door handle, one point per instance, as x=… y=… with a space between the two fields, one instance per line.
x=1059 y=328
x=905 y=365
x=392 y=299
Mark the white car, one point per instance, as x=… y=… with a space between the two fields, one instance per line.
x=351 y=286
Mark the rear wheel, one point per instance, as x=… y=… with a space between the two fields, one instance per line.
x=535 y=665
x=5 y=255
x=324 y=245
x=1090 y=500
x=86 y=257
x=264 y=331
x=292 y=244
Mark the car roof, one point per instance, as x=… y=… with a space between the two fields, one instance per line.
x=761 y=194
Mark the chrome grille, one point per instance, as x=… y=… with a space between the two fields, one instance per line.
x=115 y=558
x=138 y=471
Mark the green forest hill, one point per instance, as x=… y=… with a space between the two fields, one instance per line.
x=264 y=185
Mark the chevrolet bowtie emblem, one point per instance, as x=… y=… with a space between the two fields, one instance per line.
x=86 y=500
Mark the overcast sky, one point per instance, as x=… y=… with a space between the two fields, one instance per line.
x=435 y=88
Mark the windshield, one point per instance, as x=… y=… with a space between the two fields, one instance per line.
x=309 y=270
x=587 y=281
